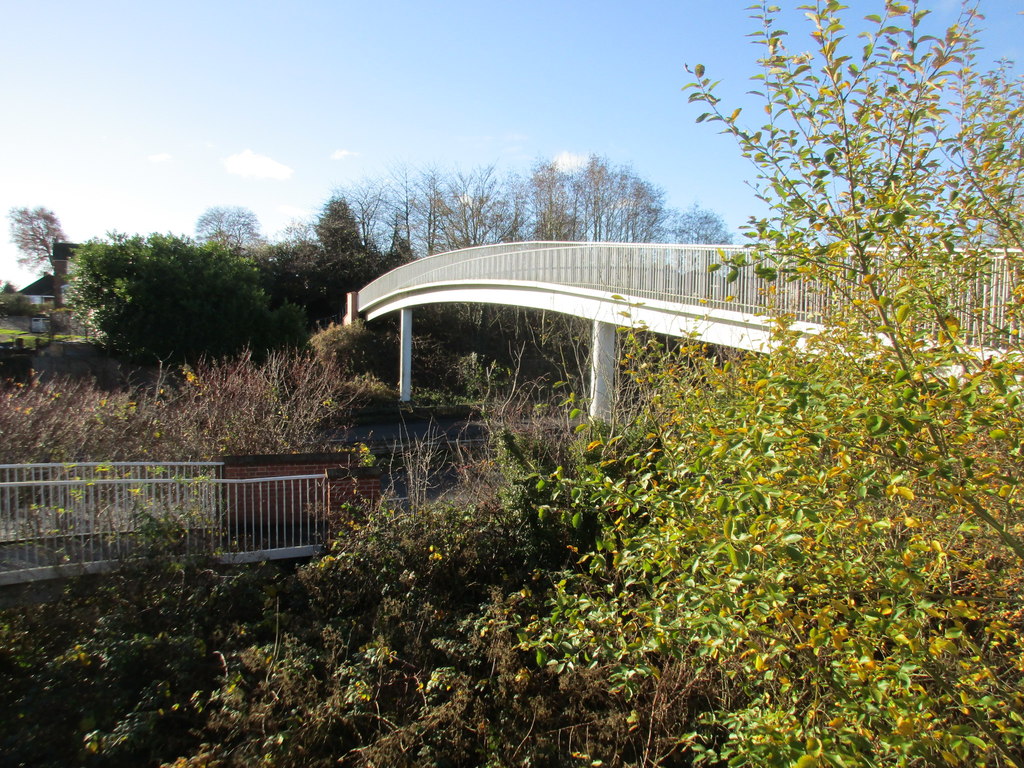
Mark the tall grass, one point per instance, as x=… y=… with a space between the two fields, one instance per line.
x=283 y=404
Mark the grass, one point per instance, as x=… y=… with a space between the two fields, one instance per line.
x=9 y=333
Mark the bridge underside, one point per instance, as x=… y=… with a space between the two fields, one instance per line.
x=740 y=330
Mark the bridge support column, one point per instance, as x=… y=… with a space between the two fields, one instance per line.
x=602 y=371
x=405 y=360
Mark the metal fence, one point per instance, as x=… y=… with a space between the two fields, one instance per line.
x=85 y=517
x=684 y=274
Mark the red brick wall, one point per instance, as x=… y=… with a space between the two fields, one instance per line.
x=343 y=482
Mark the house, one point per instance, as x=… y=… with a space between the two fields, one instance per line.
x=41 y=291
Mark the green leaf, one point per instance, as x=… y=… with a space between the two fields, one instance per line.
x=876 y=424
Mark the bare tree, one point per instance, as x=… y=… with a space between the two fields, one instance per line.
x=596 y=201
x=370 y=203
x=427 y=212
x=233 y=226
x=480 y=209
x=34 y=231
x=698 y=225
x=556 y=205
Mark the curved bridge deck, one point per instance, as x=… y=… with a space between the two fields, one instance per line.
x=671 y=289
x=680 y=290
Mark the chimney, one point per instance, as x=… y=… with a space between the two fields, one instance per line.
x=62 y=253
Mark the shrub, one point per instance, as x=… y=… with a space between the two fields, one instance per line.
x=764 y=538
x=357 y=350
x=17 y=305
x=168 y=299
x=833 y=532
x=284 y=404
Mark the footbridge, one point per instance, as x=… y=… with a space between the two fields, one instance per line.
x=671 y=289
x=678 y=290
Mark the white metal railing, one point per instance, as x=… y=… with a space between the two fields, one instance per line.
x=56 y=516
x=99 y=470
x=674 y=273
x=683 y=274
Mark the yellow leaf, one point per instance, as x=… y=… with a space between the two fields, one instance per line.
x=904 y=726
x=899 y=490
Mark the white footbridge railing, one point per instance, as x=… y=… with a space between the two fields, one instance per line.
x=640 y=274
x=66 y=519
x=678 y=274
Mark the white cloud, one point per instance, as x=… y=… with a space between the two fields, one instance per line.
x=567 y=161
x=249 y=165
x=162 y=157
x=341 y=154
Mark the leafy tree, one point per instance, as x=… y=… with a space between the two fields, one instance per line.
x=234 y=227
x=340 y=235
x=317 y=267
x=164 y=298
x=886 y=195
x=34 y=231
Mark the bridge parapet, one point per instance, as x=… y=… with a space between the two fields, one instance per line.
x=669 y=273
x=636 y=271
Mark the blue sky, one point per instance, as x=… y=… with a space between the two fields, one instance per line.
x=137 y=116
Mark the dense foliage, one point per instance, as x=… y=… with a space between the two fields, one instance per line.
x=168 y=299
x=317 y=266
x=833 y=533
x=16 y=304
x=771 y=538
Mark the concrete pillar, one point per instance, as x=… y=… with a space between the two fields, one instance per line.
x=405 y=360
x=351 y=312
x=602 y=371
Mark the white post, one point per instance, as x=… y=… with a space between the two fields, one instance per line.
x=405 y=360
x=351 y=308
x=602 y=371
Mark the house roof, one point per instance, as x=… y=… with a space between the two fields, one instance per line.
x=41 y=287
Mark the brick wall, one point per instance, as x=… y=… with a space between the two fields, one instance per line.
x=342 y=482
